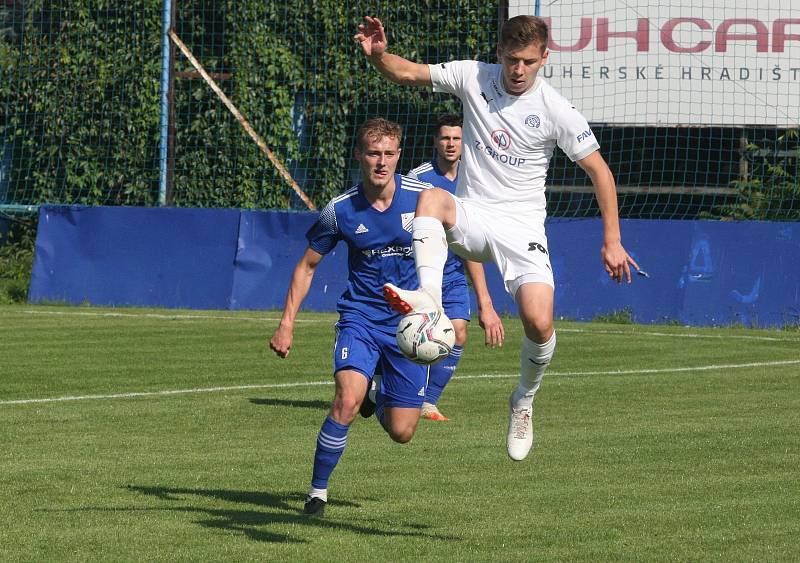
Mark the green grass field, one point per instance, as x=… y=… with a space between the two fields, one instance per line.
x=153 y=435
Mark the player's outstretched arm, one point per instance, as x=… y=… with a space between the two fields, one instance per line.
x=374 y=43
x=281 y=341
x=494 y=332
x=615 y=259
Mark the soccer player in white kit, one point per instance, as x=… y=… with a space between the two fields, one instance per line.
x=513 y=120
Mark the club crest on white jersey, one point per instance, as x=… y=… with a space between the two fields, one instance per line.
x=533 y=121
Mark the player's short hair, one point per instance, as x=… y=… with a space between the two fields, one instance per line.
x=377 y=128
x=521 y=31
x=448 y=120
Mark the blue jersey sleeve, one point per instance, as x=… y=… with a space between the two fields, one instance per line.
x=324 y=233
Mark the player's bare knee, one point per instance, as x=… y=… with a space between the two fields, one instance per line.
x=402 y=435
x=461 y=332
x=434 y=203
x=344 y=409
x=538 y=328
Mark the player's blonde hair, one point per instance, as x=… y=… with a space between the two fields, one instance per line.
x=377 y=128
x=521 y=31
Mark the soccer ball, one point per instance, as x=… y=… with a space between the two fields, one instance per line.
x=426 y=337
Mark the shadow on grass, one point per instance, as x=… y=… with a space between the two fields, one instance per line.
x=317 y=405
x=280 y=509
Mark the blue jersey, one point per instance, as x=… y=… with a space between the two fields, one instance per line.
x=379 y=248
x=429 y=173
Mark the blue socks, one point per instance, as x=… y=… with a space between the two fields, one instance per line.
x=440 y=374
x=330 y=444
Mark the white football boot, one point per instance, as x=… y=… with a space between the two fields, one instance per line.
x=404 y=301
x=520 y=429
x=430 y=411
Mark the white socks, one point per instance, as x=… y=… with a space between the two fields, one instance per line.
x=321 y=494
x=430 y=254
x=534 y=359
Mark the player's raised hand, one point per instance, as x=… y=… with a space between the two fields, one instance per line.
x=281 y=341
x=494 y=332
x=617 y=262
x=372 y=37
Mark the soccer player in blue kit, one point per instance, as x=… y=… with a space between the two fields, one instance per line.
x=374 y=219
x=442 y=172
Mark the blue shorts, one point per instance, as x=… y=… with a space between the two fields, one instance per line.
x=455 y=298
x=369 y=350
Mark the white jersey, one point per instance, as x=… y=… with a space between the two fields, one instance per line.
x=508 y=140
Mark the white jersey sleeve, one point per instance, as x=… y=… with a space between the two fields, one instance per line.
x=449 y=77
x=572 y=132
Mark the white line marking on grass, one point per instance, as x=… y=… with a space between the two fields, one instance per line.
x=330 y=382
x=167 y=316
x=311 y=321
x=641 y=371
x=677 y=334
x=167 y=392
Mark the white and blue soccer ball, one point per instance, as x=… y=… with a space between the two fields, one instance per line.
x=426 y=337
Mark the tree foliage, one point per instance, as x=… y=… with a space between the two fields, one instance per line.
x=771 y=192
x=80 y=93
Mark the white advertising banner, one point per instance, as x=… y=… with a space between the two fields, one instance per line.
x=681 y=62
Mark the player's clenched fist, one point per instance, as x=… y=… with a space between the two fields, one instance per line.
x=281 y=341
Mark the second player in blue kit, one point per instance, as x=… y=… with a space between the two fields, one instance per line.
x=442 y=172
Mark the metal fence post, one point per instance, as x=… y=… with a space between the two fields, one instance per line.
x=165 y=83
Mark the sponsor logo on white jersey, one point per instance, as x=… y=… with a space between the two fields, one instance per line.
x=502 y=158
x=502 y=139
x=533 y=121
x=361 y=229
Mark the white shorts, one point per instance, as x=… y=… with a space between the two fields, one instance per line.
x=514 y=240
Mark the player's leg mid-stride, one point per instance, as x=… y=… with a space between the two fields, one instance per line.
x=538 y=345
